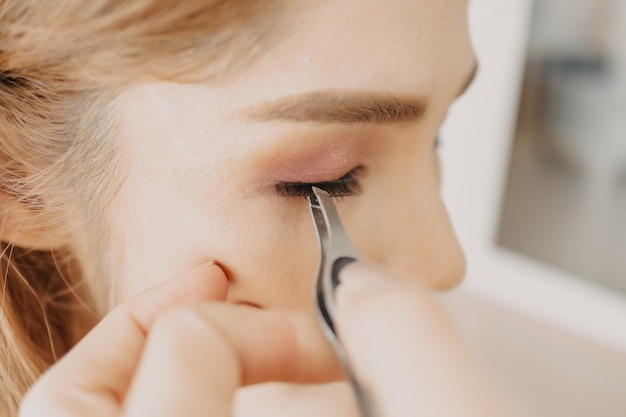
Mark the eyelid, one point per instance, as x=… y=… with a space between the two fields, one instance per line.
x=344 y=186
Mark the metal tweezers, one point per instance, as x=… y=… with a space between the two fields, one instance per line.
x=336 y=251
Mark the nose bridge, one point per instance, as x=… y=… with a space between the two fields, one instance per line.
x=406 y=228
x=402 y=223
x=390 y=220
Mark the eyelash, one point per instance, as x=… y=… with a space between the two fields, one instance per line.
x=346 y=186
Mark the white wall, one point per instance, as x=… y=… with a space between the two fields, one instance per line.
x=477 y=141
x=556 y=343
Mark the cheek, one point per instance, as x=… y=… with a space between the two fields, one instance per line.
x=267 y=247
x=270 y=254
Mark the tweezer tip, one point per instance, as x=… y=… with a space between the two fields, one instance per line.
x=313 y=199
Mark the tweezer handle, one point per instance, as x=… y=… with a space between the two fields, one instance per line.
x=336 y=251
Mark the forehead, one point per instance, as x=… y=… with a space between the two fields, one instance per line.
x=416 y=48
x=396 y=46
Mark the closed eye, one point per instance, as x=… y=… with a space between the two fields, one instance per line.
x=348 y=185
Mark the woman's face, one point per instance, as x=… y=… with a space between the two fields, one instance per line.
x=353 y=90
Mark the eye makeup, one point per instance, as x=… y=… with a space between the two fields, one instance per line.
x=344 y=186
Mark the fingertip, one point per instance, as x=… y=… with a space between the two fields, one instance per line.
x=359 y=280
x=206 y=282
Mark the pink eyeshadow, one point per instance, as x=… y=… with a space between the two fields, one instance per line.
x=317 y=160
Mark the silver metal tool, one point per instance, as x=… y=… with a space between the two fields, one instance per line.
x=336 y=251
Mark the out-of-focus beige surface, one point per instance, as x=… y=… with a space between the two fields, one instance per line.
x=548 y=372
x=564 y=202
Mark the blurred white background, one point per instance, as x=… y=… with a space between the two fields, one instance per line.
x=552 y=333
x=565 y=197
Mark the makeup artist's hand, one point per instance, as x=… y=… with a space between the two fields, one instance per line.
x=196 y=357
x=406 y=351
x=161 y=355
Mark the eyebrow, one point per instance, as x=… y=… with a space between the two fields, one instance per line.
x=345 y=107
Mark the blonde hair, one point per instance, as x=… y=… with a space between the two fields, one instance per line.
x=61 y=65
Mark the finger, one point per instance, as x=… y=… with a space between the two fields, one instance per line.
x=196 y=359
x=407 y=353
x=93 y=378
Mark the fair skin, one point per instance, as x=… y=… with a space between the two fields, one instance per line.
x=204 y=162
x=202 y=174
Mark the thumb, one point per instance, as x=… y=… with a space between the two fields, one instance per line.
x=93 y=378
x=404 y=348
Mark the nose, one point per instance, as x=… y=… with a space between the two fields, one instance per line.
x=403 y=224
